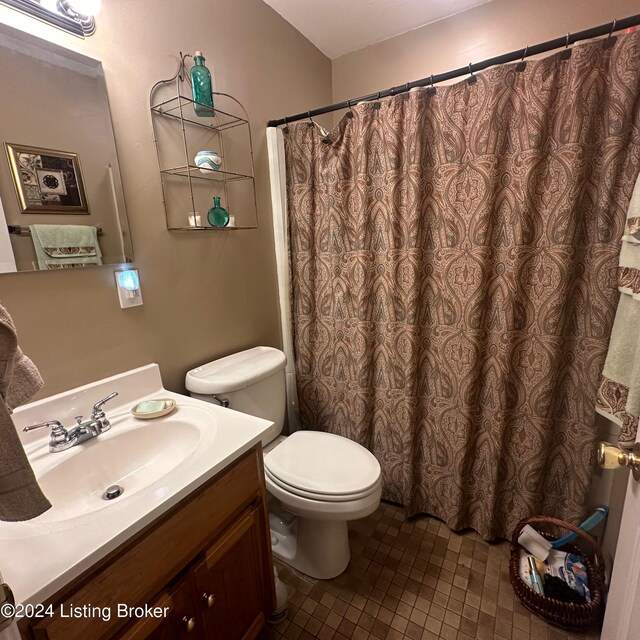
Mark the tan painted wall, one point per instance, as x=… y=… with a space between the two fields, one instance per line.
x=488 y=30
x=205 y=295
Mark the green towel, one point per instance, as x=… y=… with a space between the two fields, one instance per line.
x=63 y=246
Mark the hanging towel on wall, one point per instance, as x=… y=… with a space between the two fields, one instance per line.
x=619 y=392
x=62 y=246
x=20 y=495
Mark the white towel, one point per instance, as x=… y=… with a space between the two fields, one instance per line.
x=63 y=246
x=619 y=393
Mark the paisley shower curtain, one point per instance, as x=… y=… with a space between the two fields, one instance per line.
x=453 y=267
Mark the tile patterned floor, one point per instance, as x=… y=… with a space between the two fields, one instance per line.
x=412 y=580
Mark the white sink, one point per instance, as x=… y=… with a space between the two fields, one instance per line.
x=141 y=456
x=157 y=462
x=133 y=454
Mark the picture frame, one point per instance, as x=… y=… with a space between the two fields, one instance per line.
x=46 y=180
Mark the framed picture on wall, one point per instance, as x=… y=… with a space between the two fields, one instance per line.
x=47 y=181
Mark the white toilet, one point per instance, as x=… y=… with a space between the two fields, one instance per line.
x=317 y=481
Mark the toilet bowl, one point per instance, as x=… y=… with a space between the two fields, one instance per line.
x=317 y=481
x=326 y=481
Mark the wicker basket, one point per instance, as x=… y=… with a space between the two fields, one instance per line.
x=562 y=614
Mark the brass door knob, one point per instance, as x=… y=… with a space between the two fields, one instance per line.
x=209 y=598
x=190 y=623
x=612 y=457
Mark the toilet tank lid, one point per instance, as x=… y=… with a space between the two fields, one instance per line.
x=236 y=371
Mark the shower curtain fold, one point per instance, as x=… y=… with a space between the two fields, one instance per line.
x=453 y=265
x=275 y=149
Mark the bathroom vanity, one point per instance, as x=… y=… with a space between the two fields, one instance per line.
x=202 y=571
x=184 y=552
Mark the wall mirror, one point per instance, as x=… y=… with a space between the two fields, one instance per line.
x=61 y=199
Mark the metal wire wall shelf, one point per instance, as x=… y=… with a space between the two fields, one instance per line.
x=178 y=133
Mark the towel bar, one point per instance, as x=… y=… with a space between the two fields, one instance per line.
x=17 y=230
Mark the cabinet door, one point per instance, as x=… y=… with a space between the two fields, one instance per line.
x=179 y=623
x=141 y=570
x=230 y=582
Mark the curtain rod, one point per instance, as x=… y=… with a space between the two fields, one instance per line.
x=514 y=56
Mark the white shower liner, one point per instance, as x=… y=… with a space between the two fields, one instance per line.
x=277 y=178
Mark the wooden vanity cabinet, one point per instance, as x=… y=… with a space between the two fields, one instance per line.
x=179 y=624
x=229 y=583
x=221 y=597
x=207 y=563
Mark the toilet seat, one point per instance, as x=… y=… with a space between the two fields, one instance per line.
x=310 y=495
x=323 y=466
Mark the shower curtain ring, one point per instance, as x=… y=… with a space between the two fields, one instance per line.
x=610 y=40
x=471 y=79
x=431 y=89
x=311 y=122
x=566 y=54
x=522 y=65
x=350 y=112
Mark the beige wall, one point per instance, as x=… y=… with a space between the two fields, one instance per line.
x=205 y=295
x=488 y=30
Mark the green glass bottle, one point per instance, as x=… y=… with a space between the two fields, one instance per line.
x=201 y=87
x=218 y=216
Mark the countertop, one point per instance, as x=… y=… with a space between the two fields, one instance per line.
x=40 y=556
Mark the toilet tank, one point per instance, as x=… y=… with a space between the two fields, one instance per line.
x=253 y=381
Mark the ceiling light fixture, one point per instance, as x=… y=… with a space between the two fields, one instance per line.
x=73 y=16
x=82 y=11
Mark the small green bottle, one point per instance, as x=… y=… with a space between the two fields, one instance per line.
x=201 y=87
x=218 y=216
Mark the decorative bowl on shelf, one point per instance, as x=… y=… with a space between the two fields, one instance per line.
x=208 y=161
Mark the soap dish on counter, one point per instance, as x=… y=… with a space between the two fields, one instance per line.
x=154 y=408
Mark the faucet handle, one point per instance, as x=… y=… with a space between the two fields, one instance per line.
x=56 y=427
x=97 y=407
x=60 y=439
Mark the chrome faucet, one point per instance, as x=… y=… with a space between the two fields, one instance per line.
x=62 y=439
